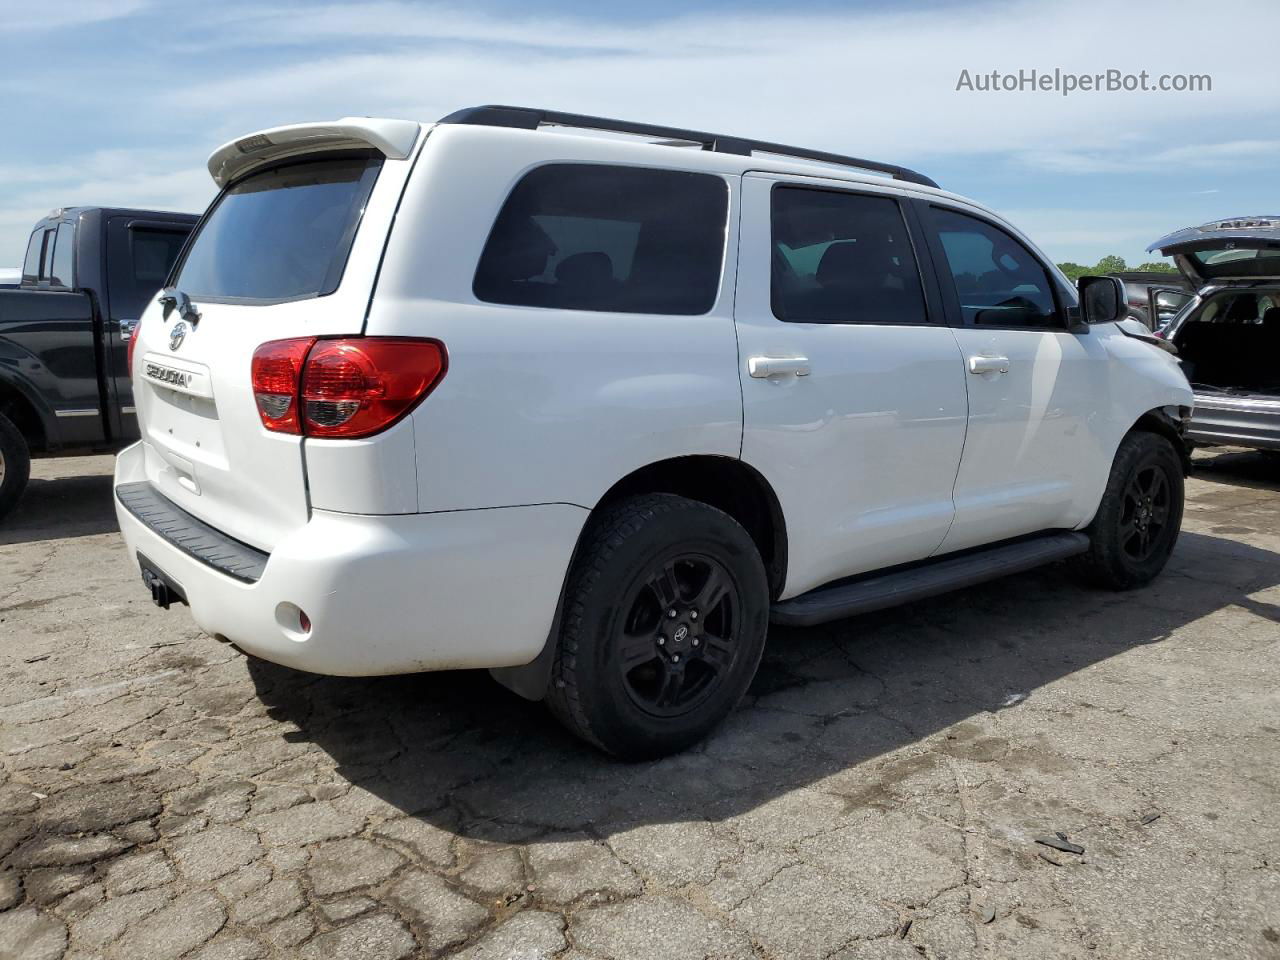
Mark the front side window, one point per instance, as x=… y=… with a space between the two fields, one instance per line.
x=607 y=238
x=63 y=273
x=281 y=234
x=998 y=281
x=842 y=258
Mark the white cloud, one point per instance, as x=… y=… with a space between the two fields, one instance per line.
x=1079 y=235
x=1234 y=154
x=871 y=83
x=50 y=15
x=119 y=178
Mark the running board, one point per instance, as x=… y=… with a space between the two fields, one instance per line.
x=926 y=580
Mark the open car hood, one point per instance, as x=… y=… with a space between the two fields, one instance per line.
x=1237 y=248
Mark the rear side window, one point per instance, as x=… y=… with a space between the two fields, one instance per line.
x=63 y=272
x=843 y=258
x=35 y=256
x=140 y=267
x=999 y=281
x=600 y=237
x=280 y=234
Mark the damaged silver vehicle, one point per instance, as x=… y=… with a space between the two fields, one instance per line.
x=1228 y=336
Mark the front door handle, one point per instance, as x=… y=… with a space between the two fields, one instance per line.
x=763 y=367
x=988 y=364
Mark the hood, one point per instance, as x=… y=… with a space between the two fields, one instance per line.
x=1237 y=248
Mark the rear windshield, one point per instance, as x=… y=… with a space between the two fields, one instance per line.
x=1260 y=261
x=281 y=234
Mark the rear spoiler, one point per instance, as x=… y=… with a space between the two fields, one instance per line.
x=393 y=138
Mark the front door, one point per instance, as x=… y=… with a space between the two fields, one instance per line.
x=1030 y=455
x=853 y=387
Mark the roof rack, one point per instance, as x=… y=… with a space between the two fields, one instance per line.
x=530 y=118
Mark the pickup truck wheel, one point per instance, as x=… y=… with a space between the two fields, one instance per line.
x=1137 y=523
x=15 y=465
x=664 y=623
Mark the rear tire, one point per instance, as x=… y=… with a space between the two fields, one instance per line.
x=1137 y=524
x=15 y=465
x=664 y=624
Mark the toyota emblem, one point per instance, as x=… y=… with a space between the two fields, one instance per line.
x=177 y=334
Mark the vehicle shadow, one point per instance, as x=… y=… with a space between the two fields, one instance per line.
x=1242 y=468
x=59 y=508
x=459 y=752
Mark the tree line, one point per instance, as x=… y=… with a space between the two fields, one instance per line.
x=1112 y=264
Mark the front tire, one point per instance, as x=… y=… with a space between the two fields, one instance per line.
x=1137 y=524
x=15 y=465
x=664 y=624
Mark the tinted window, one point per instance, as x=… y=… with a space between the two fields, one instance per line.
x=843 y=258
x=140 y=267
x=64 y=248
x=594 y=237
x=1240 y=261
x=46 y=259
x=998 y=280
x=35 y=250
x=281 y=234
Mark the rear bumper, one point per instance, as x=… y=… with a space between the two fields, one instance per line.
x=1235 y=421
x=384 y=594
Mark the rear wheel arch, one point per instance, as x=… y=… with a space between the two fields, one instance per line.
x=17 y=407
x=727 y=484
x=722 y=482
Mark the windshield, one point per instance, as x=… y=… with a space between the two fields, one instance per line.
x=282 y=233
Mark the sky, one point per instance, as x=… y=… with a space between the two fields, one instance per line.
x=120 y=102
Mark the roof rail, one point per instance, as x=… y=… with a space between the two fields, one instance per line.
x=530 y=118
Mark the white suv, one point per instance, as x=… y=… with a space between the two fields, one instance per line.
x=590 y=406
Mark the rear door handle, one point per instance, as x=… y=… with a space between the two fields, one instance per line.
x=763 y=367
x=988 y=364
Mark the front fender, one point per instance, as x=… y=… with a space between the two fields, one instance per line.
x=1144 y=384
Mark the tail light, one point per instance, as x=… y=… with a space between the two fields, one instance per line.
x=1159 y=333
x=277 y=369
x=351 y=387
x=133 y=342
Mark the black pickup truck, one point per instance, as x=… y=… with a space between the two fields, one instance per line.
x=64 y=333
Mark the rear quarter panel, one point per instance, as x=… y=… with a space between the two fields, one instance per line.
x=541 y=405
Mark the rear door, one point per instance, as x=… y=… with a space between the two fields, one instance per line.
x=853 y=387
x=1030 y=453
x=140 y=254
x=290 y=250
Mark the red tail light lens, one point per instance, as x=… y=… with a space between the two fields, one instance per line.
x=133 y=342
x=357 y=387
x=277 y=370
x=352 y=387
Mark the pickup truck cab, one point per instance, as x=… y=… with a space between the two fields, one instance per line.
x=591 y=410
x=64 y=333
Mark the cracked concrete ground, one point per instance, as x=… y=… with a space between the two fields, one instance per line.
x=877 y=796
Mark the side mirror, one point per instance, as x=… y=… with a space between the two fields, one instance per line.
x=1102 y=299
